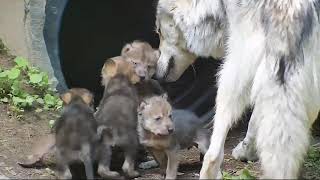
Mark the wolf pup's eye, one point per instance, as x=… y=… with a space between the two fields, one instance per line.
x=170 y=116
x=158 y=119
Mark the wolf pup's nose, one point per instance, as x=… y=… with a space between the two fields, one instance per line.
x=170 y=130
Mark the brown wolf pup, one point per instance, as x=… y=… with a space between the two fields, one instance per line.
x=164 y=131
x=143 y=57
x=75 y=132
x=144 y=60
x=117 y=116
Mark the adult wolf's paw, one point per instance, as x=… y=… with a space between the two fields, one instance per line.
x=245 y=151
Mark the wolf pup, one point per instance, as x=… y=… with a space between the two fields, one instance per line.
x=164 y=131
x=117 y=115
x=144 y=60
x=143 y=57
x=75 y=132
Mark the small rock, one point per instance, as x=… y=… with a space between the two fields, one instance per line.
x=37 y=171
x=50 y=171
x=148 y=165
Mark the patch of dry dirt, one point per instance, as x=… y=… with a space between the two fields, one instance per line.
x=16 y=140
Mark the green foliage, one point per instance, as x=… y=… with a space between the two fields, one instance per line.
x=26 y=87
x=312 y=164
x=244 y=174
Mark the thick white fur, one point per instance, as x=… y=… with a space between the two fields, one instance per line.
x=184 y=47
x=283 y=114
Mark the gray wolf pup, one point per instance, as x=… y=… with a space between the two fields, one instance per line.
x=117 y=116
x=76 y=134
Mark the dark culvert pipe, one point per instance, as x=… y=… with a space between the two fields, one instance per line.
x=91 y=32
x=81 y=34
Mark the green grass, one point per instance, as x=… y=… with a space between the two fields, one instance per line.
x=312 y=164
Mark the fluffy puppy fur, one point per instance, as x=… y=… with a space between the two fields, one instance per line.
x=271 y=63
x=117 y=116
x=143 y=57
x=75 y=132
x=144 y=60
x=164 y=131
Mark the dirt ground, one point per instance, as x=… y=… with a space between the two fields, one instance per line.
x=17 y=137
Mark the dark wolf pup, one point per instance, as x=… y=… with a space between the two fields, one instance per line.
x=117 y=116
x=75 y=132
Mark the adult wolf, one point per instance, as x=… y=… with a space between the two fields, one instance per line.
x=271 y=62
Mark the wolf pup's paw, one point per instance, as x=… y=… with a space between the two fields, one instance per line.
x=106 y=173
x=133 y=174
x=245 y=152
x=130 y=172
x=64 y=175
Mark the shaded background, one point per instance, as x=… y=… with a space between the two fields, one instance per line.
x=92 y=32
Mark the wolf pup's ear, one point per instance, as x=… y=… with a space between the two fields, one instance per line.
x=109 y=69
x=87 y=98
x=142 y=106
x=164 y=96
x=126 y=49
x=66 y=97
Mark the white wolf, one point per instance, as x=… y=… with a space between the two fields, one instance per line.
x=271 y=51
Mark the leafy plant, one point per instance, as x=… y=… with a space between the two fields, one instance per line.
x=26 y=87
x=244 y=174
